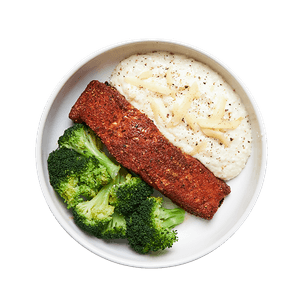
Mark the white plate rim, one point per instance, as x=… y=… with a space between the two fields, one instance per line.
x=86 y=243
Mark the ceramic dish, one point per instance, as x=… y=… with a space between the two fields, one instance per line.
x=197 y=237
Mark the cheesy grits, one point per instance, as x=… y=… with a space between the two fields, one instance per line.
x=192 y=105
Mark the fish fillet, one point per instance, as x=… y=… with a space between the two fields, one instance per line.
x=135 y=142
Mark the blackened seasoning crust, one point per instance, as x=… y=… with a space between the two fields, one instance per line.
x=133 y=139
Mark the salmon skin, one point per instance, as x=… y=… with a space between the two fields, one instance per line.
x=137 y=144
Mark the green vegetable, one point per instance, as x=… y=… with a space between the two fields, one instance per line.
x=127 y=195
x=105 y=201
x=150 y=226
x=83 y=140
x=97 y=216
x=75 y=177
x=116 y=228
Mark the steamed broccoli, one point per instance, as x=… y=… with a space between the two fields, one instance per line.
x=83 y=140
x=150 y=226
x=128 y=194
x=116 y=228
x=106 y=202
x=125 y=209
x=74 y=176
x=91 y=215
x=98 y=218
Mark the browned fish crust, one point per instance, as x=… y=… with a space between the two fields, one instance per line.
x=135 y=142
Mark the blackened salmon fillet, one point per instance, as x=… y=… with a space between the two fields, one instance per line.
x=137 y=144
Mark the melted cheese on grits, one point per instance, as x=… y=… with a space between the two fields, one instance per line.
x=177 y=93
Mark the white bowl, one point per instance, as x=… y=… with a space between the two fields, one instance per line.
x=197 y=237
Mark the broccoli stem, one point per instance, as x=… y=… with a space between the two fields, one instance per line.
x=96 y=206
x=101 y=156
x=171 y=217
x=102 y=196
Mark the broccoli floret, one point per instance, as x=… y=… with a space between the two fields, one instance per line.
x=74 y=176
x=123 y=195
x=150 y=227
x=106 y=202
x=116 y=228
x=83 y=140
x=128 y=194
x=91 y=215
x=98 y=218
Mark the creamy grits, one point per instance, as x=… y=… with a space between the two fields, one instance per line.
x=192 y=106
